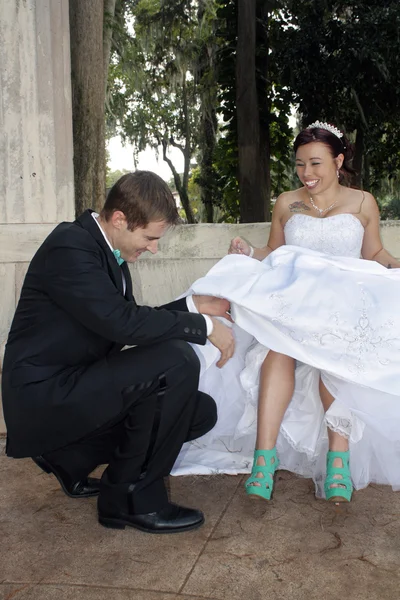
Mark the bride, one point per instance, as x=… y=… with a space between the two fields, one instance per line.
x=314 y=383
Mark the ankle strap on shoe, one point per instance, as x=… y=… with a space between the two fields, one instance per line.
x=332 y=455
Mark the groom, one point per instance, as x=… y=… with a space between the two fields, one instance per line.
x=73 y=399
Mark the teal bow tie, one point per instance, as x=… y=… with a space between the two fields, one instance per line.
x=117 y=255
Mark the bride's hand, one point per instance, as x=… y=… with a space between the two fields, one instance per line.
x=239 y=246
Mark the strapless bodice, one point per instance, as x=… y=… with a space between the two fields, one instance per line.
x=339 y=235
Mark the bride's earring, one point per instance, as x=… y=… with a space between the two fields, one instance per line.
x=338 y=173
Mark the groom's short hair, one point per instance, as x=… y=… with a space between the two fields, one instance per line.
x=143 y=197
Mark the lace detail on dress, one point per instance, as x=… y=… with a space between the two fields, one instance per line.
x=341 y=426
x=339 y=235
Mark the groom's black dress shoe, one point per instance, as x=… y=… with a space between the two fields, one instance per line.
x=170 y=519
x=85 y=488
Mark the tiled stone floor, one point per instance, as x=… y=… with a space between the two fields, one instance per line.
x=295 y=547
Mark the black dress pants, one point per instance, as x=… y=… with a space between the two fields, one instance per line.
x=162 y=410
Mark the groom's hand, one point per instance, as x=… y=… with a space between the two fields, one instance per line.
x=213 y=306
x=222 y=338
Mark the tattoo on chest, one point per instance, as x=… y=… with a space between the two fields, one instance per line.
x=298 y=207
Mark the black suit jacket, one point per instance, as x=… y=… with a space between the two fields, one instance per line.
x=72 y=313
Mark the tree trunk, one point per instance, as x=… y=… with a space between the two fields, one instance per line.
x=358 y=157
x=183 y=184
x=180 y=186
x=264 y=101
x=252 y=198
x=88 y=98
x=207 y=175
x=207 y=142
x=265 y=175
x=109 y=14
x=366 y=181
x=209 y=124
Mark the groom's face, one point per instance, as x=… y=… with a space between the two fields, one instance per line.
x=133 y=243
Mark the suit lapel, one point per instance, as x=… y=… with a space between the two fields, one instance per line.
x=87 y=222
x=128 y=281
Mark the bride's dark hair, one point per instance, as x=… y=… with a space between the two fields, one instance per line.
x=336 y=146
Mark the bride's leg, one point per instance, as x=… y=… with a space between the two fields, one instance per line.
x=275 y=392
x=337 y=443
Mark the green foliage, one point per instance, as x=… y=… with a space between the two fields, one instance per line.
x=172 y=83
x=156 y=88
x=390 y=208
x=274 y=101
x=113 y=176
x=339 y=59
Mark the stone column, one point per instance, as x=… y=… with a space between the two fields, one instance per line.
x=36 y=173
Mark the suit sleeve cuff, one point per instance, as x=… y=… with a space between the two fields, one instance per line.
x=192 y=308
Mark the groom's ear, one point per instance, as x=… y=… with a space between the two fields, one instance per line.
x=118 y=220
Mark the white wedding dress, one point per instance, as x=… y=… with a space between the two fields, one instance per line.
x=313 y=299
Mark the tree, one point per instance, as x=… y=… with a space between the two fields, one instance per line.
x=109 y=26
x=273 y=106
x=350 y=49
x=183 y=75
x=90 y=41
x=155 y=93
x=207 y=89
x=113 y=176
x=253 y=200
x=174 y=80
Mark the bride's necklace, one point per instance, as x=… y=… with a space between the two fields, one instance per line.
x=321 y=211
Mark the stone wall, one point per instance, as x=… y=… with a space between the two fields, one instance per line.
x=36 y=172
x=189 y=251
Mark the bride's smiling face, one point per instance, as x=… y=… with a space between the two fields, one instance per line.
x=316 y=167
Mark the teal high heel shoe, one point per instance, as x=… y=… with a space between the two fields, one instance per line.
x=261 y=481
x=344 y=489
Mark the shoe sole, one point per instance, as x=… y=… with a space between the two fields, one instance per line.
x=46 y=467
x=118 y=524
x=258 y=497
x=255 y=495
x=338 y=499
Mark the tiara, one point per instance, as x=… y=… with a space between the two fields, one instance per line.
x=330 y=128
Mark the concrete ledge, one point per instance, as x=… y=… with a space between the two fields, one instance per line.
x=19 y=242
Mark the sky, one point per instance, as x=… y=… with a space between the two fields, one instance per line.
x=121 y=157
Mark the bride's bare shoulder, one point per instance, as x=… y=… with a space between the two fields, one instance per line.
x=290 y=196
x=362 y=202
x=285 y=199
x=291 y=202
